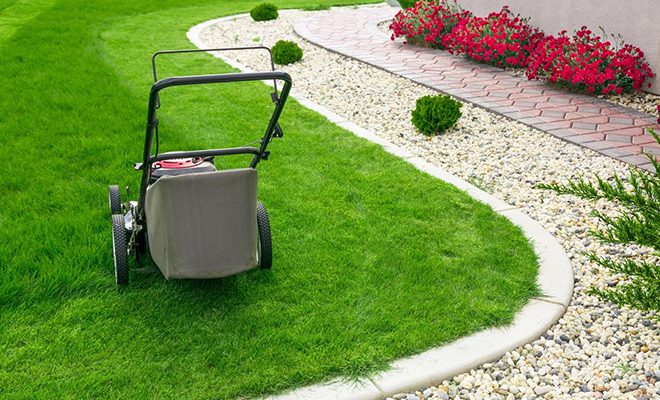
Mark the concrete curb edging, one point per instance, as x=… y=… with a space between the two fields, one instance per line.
x=555 y=279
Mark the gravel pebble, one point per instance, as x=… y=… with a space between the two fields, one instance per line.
x=597 y=349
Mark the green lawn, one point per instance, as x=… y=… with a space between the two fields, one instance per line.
x=373 y=260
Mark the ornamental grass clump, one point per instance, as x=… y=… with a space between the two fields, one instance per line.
x=433 y=115
x=264 y=12
x=587 y=63
x=286 y=52
x=639 y=223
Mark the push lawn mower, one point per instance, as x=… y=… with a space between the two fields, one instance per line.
x=192 y=220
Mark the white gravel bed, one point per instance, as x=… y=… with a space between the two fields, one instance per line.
x=596 y=350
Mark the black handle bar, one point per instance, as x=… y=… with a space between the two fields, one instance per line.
x=156 y=54
x=204 y=153
x=152 y=120
x=218 y=78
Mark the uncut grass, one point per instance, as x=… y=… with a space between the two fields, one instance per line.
x=373 y=259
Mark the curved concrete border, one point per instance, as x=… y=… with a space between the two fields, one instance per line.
x=555 y=279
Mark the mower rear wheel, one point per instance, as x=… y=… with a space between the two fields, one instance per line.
x=119 y=249
x=265 y=243
x=114 y=198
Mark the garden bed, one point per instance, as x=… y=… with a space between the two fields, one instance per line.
x=643 y=101
x=597 y=349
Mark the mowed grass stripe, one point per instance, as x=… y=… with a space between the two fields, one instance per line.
x=373 y=259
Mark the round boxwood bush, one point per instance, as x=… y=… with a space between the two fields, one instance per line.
x=286 y=52
x=264 y=12
x=433 y=115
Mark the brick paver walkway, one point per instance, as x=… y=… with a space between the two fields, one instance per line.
x=615 y=131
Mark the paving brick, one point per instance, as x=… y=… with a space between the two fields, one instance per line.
x=535 y=97
x=651 y=149
x=635 y=160
x=553 y=114
x=502 y=109
x=524 y=104
x=622 y=121
x=501 y=95
x=586 y=138
x=643 y=139
x=648 y=167
x=584 y=125
x=565 y=100
x=522 y=114
x=554 y=125
x=621 y=151
x=619 y=138
x=618 y=130
x=506 y=102
x=602 y=144
x=570 y=132
x=484 y=80
x=645 y=121
x=563 y=107
x=532 y=121
x=498 y=87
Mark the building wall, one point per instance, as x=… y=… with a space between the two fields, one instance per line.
x=637 y=21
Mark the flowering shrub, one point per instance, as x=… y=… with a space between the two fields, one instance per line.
x=585 y=62
x=426 y=23
x=499 y=39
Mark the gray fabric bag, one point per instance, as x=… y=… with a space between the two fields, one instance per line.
x=203 y=225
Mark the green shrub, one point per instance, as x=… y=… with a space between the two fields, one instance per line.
x=264 y=12
x=286 y=52
x=433 y=115
x=639 y=197
x=407 y=3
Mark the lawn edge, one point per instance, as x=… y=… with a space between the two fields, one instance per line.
x=555 y=280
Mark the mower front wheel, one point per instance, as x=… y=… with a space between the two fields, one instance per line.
x=119 y=249
x=114 y=198
x=265 y=243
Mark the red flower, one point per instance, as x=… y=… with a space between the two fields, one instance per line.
x=582 y=62
x=586 y=63
x=427 y=23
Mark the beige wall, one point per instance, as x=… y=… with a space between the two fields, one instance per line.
x=638 y=21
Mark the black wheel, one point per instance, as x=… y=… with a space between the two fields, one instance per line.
x=119 y=249
x=265 y=243
x=114 y=198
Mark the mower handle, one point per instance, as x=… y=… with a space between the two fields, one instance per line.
x=156 y=54
x=152 y=120
x=218 y=78
x=218 y=49
x=204 y=153
x=275 y=95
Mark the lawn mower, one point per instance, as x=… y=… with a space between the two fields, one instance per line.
x=192 y=220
